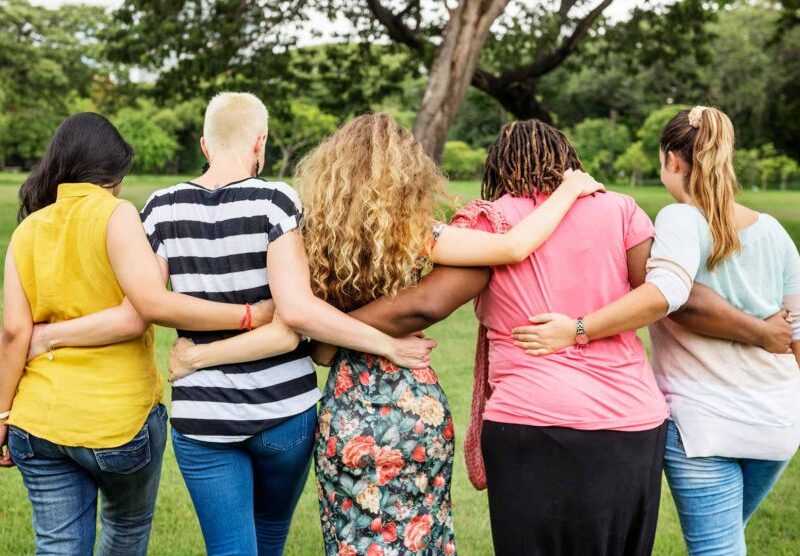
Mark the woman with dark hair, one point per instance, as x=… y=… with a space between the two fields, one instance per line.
x=81 y=421
x=572 y=442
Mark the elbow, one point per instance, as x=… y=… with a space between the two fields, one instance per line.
x=13 y=335
x=296 y=318
x=290 y=340
x=135 y=325
x=431 y=313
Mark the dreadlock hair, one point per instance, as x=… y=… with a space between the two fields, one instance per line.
x=528 y=157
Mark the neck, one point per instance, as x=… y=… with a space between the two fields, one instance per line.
x=226 y=167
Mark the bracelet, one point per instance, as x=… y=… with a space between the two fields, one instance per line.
x=5 y=415
x=247 y=320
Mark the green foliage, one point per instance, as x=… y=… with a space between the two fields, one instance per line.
x=599 y=141
x=650 y=132
x=460 y=161
x=153 y=145
x=634 y=163
x=745 y=164
x=304 y=125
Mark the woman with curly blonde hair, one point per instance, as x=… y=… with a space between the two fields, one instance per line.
x=385 y=450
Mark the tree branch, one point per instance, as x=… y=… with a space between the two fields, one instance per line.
x=550 y=60
x=396 y=28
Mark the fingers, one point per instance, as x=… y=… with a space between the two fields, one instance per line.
x=538 y=352
x=543 y=318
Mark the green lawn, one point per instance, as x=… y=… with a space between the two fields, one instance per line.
x=775 y=530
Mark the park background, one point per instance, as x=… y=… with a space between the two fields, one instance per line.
x=610 y=73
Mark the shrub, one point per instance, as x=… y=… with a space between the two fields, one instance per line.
x=460 y=161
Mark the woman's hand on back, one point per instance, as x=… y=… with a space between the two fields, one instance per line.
x=582 y=183
x=778 y=335
x=412 y=352
x=181 y=359
x=549 y=333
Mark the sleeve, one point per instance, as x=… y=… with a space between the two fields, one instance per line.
x=150 y=221
x=791 y=286
x=676 y=254
x=638 y=227
x=480 y=215
x=285 y=211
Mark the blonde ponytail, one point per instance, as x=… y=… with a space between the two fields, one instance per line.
x=704 y=139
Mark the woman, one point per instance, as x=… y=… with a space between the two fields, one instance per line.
x=81 y=421
x=243 y=426
x=735 y=420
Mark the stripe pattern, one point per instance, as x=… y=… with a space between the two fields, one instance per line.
x=215 y=243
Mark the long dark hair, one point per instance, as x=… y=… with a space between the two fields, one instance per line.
x=86 y=148
x=528 y=157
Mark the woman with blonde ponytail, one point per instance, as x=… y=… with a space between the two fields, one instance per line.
x=734 y=411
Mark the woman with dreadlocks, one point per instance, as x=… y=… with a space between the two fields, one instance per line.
x=573 y=441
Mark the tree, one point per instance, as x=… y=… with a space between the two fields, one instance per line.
x=598 y=142
x=307 y=125
x=460 y=161
x=634 y=163
x=650 y=132
x=502 y=48
x=47 y=57
x=745 y=163
x=154 y=147
x=787 y=167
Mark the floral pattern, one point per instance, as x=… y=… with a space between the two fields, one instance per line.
x=384 y=459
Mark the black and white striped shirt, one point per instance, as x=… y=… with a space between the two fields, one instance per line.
x=215 y=243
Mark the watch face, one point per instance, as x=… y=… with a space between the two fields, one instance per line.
x=582 y=339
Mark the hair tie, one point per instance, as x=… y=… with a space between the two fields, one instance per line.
x=695 y=116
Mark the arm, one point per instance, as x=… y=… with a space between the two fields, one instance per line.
x=269 y=340
x=137 y=269
x=437 y=295
x=709 y=314
x=466 y=247
x=290 y=282
x=17 y=327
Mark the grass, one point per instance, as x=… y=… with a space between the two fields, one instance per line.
x=775 y=530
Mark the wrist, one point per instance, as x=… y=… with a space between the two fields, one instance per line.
x=196 y=356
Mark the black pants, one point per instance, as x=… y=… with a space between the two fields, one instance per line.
x=558 y=491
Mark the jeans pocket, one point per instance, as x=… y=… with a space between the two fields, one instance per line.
x=289 y=434
x=19 y=444
x=128 y=458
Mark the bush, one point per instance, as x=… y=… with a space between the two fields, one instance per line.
x=154 y=147
x=460 y=161
x=599 y=141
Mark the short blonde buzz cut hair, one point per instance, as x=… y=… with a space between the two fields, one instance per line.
x=233 y=121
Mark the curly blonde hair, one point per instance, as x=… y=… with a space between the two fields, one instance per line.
x=370 y=197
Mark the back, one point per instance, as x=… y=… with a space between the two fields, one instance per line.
x=582 y=267
x=60 y=253
x=215 y=243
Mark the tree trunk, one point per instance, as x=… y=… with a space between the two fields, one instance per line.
x=452 y=69
x=286 y=160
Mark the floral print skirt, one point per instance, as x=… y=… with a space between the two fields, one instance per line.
x=384 y=460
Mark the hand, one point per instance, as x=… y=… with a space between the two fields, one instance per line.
x=323 y=353
x=411 y=352
x=5 y=453
x=581 y=183
x=550 y=333
x=40 y=341
x=263 y=312
x=777 y=333
x=181 y=359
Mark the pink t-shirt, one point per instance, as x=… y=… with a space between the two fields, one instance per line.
x=582 y=267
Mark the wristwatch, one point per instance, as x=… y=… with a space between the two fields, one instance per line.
x=580 y=334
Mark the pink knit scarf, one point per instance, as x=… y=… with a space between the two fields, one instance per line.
x=466 y=218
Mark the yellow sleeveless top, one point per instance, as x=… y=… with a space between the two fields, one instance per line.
x=96 y=397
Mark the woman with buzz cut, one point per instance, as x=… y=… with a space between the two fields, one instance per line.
x=243 y=422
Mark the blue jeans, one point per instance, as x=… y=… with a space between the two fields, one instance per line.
x=716 y=496
x=63 y=483
x=245 y=493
